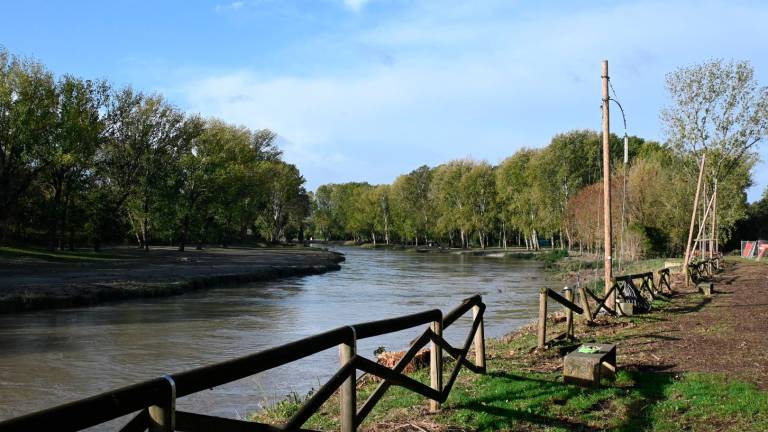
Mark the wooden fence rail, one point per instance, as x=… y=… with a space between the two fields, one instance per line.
x=154 y=401
x=703 y=269
x=569 y=306
x=646 y=284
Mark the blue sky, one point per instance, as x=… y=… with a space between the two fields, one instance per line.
x=370 y=89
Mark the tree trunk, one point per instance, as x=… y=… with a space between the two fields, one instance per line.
x=53 y=219
x=184 y=233
x=145 y=224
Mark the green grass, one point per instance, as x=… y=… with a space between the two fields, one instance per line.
x=62 y=256
x=635 y=401
x=513 y=397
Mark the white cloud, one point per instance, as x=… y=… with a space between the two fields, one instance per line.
x=237 y=5
x=355 y=5
x=472 y=81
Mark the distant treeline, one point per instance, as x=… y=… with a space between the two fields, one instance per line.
x=551 y=195
x=83 y=162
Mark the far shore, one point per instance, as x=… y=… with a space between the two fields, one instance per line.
x=490 y=251
x=31 y=280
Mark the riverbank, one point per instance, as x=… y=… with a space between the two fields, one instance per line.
x=517 y=252
x=33 y=280
x=693 y=363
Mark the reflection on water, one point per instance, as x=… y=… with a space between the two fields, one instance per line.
x=51 y=357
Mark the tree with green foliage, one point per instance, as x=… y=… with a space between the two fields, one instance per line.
x=720 y=111
x=77 y=136
x=27 y=123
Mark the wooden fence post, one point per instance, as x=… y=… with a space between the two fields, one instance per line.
x=479 y=339
x=162 y=418
x=348 y=399
x=568 y=294
x=542 y=317
x=585 y=303
x=436 y=365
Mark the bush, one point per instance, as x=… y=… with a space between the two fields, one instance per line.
x=642 y=241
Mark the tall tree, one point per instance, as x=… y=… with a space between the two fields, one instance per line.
x=27 y=125
x=717 y=108
x=77 y=137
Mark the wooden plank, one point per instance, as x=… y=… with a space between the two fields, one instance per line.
x=382 y=388
x=569 y=312
x=436 y=365
x=479 y=343
x=565 y=302
x=601 y=304
x=456 y=354
x=397 y=379
x=460 y=360
x=208 y=377
x=348 y=399
x=585 y=303
x=391 y=325
x=460 y=310
x=319 y=397
x=162 y=417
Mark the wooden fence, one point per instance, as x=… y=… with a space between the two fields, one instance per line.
x=154 y=401
x=642 y=282
x=703 y=269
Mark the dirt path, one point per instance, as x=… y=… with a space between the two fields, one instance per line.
x=28 y=283
x=727 y=332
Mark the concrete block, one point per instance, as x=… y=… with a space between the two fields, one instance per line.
x=706 y=288
x=586 y=369
x=624 y=309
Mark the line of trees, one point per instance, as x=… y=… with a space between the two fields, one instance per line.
x=549 y=196
x=84 y=162
x=552 y=195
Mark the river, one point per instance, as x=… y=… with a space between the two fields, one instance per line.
x=51 y=357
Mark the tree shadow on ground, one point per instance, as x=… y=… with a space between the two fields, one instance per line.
x=651 y=384
x=523 y=400
x=519 y=402
x=690 y=308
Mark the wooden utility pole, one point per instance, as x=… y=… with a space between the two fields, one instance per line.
x=687 y=258
x=611 y=301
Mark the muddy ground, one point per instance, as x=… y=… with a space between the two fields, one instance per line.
x=31 y=283
x=725 y=333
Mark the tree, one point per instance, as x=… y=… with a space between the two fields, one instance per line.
x=514 y=186
x=284 y=189
x=411 y=193
x=155 y=137
x=450 y=201
x=718 y=112
x=479 y=187
x=718 y=109
x=75 y=140
x=27 y=124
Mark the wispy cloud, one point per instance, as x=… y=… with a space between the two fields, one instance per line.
x=229 y=7
x=355 y=5
x=484 y=81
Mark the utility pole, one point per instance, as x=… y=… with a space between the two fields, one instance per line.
x=611 y=301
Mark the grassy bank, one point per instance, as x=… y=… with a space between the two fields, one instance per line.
x=523 y=389
x=9 y=252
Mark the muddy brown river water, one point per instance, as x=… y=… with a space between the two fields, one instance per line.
x=56 y=356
